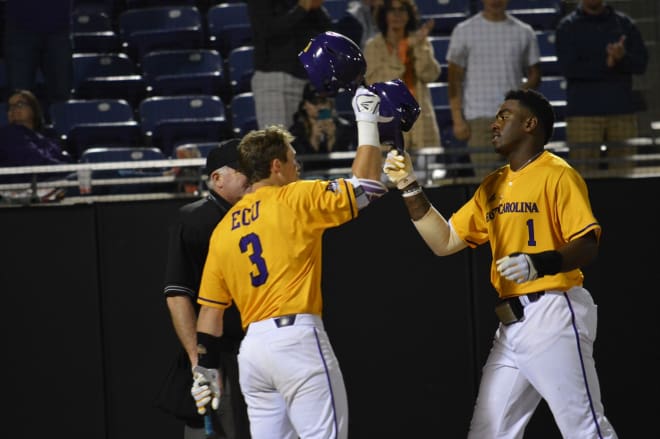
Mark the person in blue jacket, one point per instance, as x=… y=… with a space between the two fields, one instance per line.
x=599 y=50
x=22 y=142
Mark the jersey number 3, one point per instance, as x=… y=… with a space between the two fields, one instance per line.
x=252 y=242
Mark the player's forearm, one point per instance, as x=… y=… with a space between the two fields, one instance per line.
x=579 y=253
x=184 y=321
x=210 y=321
x=368 y=160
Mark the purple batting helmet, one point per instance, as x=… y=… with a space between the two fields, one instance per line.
x=333 y=63
x=397 y=101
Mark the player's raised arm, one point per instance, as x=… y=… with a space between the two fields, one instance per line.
x=430 y=224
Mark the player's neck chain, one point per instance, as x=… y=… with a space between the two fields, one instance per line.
x=529 y=160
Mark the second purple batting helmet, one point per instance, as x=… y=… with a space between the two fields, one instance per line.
x=397 y=101
x=333 y=63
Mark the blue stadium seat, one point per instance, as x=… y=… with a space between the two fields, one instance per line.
x=228 y=27
x=241 y=68
x=168 y=27
x=549 y=61
x=84 y=123
x=170 y=120
x=440 y=100
x=92 y=31
x=440 y=45
x=126 y=154
x=554 y=89
x=540 y=14
x=108 y=7
x=133 y=4
x=445 y=14
x=337 y=9
x=243 y=114
x=184 y=71
x=107 y=75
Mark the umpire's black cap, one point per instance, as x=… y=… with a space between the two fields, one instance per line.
x=226 y=154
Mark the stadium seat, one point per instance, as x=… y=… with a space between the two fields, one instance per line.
x=240 y=64
x=440 y=45
x=554 y=89
x=92 y=31
x=133 y=4
x=337 y=9
x=108 y=7
x=84 y=123
x=243 y=114
x=540 y=14
x=228 y=27
x=170 y=120
x=184 y=71
x=143 y=30
x=107 y=75
x=126 y=154
x=445 y=14
x=440 y=100
x=549 y=62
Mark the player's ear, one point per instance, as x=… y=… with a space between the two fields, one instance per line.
x=275 y=166
x=531 y=123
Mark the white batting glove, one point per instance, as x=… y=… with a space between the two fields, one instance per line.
x=366 y=106
x=517 y=268
x=399 y=169
x=206 y=388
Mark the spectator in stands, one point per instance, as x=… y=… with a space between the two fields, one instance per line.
x=317 y=127
x=22 y=142
x=364 y=11
x=489 y=53
x=402 y=50
x=37 y=38
x=599 y=50
x=280 y=32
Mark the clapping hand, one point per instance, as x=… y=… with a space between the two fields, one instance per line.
x=616 y=51
x=421 y=34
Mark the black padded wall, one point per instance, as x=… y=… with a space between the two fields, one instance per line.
x=52 y=375
x=85 y=321
x=399 y=320
x=138 y=335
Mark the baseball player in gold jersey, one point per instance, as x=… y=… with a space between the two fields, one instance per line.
x=265 y=256
x=536 y=215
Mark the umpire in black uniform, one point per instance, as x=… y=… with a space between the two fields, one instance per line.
x=188 y=246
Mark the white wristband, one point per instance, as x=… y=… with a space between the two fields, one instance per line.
x=411 y=192
x=368 y=133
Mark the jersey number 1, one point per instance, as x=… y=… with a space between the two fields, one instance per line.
x=530 y=232
x=252 y=241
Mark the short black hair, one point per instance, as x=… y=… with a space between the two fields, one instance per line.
x=540 y=107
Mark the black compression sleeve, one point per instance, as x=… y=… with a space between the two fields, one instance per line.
x=208 y=350
x=547 y=262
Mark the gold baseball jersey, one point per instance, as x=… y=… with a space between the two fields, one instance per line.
x=541 y=207
x=265 y=254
